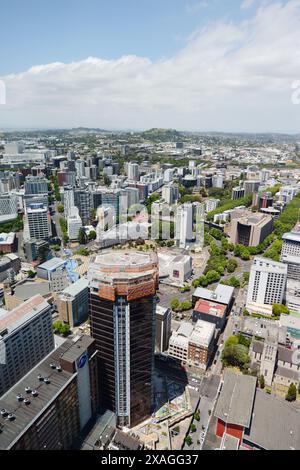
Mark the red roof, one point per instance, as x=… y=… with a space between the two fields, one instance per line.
x=210 y=308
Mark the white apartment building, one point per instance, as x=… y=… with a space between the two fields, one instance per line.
x=80 y=168
x=267 y=285
x=218 y=181
x=133 y=171
x=184 y=225
x=38 y=222
x=74 y=224
x=68 y=199
x=170 y=193
x=169 y=175
x=211 y=205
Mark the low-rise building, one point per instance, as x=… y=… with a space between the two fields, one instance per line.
x=73 y=303
x=249 y=229
x=193 y=345
x=8 y=242
x=254 y=419
x=211 y=312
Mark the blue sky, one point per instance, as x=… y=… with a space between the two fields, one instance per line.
x=41 y=31
x=207 y=65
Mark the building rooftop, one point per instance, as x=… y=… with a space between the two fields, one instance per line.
x=275 y=423
x=292 y=236
x=236 y=399
x=222 y=294
x=76 y=288
x=14 y=318
x=52 y=264
x=7 y=238
x=210 y=308
x=203 y=333
x=268 y=263
x=58 y=380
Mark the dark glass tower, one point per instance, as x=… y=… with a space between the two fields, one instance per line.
x=122 y=314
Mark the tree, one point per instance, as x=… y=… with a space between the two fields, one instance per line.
x=60 y=208
x=193 y=428
x=31 y=274
x=292 y=393
x=197 y=416
x=92 y=235
x=175 y=304
x=187 y=305
x=279 y=309
x=262 y=382
x=233 y=340
x=236 y=356
x=65 y=330
x=82 y=236
x=188 y=440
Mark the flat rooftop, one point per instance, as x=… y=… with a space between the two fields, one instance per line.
x=123 y=260
x=7 y=238
x=222 y=294
x=275 y=423
x=25 y=415
x=210 y=308
x=14 y=318
x=74 y=289
x=52 y=264
x=203 y=333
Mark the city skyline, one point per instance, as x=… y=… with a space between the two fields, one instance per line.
x=188 y=65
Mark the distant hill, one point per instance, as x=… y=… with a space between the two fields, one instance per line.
x=162 y=135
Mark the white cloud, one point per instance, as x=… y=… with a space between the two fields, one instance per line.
x=227 y=77
x=247 y=4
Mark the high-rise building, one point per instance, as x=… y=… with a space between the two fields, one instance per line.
x=52 y=404
x=80 y=168
x=68 y=199
x=122 y=317
x=26 y=337
x=133 y=171
x=184 y=225
x=112 y=199
x=84 y=201
x=267 y=284
x=237 y=193
x=251 y=186
x=36 y=185
x=290 y=254
x=74 y=224
x=163 y=328
x=38 y=222
x=218 y=181
x=170 y=193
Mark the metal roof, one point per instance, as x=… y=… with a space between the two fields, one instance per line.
x=236 y=399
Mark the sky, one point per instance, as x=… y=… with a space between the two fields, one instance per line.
x=205 y=65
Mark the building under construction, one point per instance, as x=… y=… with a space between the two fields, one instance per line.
x=122 y=315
